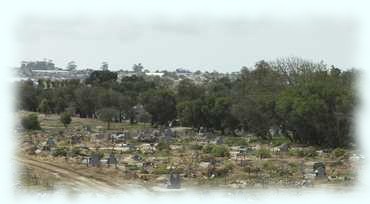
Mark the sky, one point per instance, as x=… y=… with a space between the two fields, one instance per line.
x=195 y=42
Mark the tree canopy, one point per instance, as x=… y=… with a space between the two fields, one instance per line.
x=310 y=103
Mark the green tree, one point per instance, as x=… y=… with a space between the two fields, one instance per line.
x=86 y=101
x=31 y=122
x=107 y=115
x=44 y=106
x=66 y=118
x=161 y=104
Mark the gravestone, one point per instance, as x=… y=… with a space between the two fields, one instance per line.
x=168 y=134
x=50 y=142
x=137 y=157
x=174 y=181
x=220 y=140
x=284 y=147
x=112 y=160
x=94 y=160
x=319 y=169
x=76 y=139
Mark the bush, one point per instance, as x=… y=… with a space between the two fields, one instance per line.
x=65 y=118
x=31 y=122
x=276 y=141
x=163 y=146
x=263 y=153
x=338 y=152
x=216 y=150
x=60 y=152
x=132 y=167
x=307 y=152
x=76 y=151
x=162 y=169
x=196 y=147
x=236 y=141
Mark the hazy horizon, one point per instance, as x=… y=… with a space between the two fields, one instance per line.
x=167 y=42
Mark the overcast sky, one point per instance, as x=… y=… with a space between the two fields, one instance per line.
x=193 y=42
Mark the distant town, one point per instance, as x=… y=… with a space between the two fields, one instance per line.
x=46 y=69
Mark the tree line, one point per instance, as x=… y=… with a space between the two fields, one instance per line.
x=309 y=103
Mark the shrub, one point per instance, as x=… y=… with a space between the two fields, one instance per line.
x=216 y=150
x=237 y=141
x=196 y=147
x=276 y=141
x=220 y=151
x=76 y=151
x=310 y=152
x=132 y=167
x=207 y=149
x=338 y=152
x=163 y=146
x=162 y=169
x=263 y=153
x=65 y=118
x=31 y=122
x=307 y=152
x=229 y=165
x=268 y=166
x=60 y=152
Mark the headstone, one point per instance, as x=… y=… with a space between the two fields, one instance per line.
x=220 y=140
x=94 y=160
x=76 y=139
x=137 y=157
x=319 y=169
x=174 y=181
x=50 y=142
x=284 y=147
x=112 y=160
x=168 y=134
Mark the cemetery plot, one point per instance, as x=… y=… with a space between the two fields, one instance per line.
x=85 y=154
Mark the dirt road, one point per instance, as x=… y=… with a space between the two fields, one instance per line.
x=77 y=180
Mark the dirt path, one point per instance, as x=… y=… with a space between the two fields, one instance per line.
x=78 y=179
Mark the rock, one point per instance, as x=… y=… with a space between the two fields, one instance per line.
x=204 y=165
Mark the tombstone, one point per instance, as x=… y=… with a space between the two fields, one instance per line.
x=174 y=181
x=319 y=169
x=243 y=163
x=137 y=157
x=87 y=128
x=220 y=140
x=112 y=160
x=284 y=147
x=168 y=134
x=50 y=142
x=94 y=160
x=145 y=137
x=76 y=139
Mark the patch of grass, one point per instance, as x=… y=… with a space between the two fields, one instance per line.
x=236 y=141
x=60 y=152
x=196 y=147
x=338 y=152
x=276 y=141
x=263 y=153
x=309 y=152
x=161 y=169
